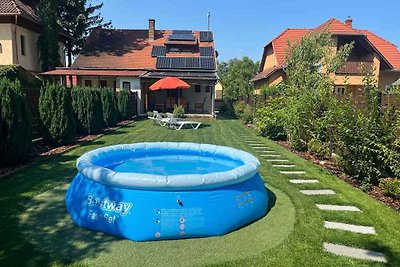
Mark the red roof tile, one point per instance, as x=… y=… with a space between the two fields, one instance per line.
x=17 y=7
x=124 y=49
x=280 y=43
x=81 y=72
x=386 y=48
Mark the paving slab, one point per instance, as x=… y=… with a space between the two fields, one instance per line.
x=301 y=181
x=272 y=156
x=350 y=228
x=318 y=192
x=337 y=208
x=292 y=172
x=275 y=160
x=356 y=253
x=283 y=165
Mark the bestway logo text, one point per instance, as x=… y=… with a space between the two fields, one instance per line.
x=106 y=204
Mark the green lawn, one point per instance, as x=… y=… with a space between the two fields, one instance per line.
x=36 y=230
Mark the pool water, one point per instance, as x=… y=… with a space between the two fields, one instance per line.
x=176 y=164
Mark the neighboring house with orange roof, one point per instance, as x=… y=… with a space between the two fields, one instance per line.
x=135 y=59
x=19 y=30
x=370 y=52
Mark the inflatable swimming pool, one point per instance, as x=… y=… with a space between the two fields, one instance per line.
x=155 y=191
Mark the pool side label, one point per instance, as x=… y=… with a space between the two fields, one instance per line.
x=106 y=204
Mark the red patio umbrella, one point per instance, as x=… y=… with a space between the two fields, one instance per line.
x=169 y=83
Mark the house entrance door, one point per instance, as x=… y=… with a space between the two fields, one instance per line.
x=137 y=94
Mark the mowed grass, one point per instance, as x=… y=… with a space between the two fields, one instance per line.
x=35 y=228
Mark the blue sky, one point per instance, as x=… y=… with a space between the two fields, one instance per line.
x=242 y=28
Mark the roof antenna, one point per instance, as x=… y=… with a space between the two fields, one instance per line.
x=208 y=20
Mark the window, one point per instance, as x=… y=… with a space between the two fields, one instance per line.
x=103 y=83
x=23 y=45
x=126 y=85
x=339 y=91
x=88 y=83
x=197 y=88
x=208 y=88
x=1 y=48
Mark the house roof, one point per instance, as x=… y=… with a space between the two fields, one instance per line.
x=280 y=43
x=86 y=72
x=126 y=49
x=265 y=73
x=17 y=7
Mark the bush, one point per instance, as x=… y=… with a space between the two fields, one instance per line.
x=243 y=111
x=226 y=110
x=15 y=123
x=56 y=114
x=270 y=119
x=319 y=149
x=124 y=105
x=109 y=103
x=86 y=102
x=390 y=187
x=179 y=111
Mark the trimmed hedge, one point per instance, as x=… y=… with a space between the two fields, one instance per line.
x=87 y=106
x=56 y=114
x=110 y=106
x=15 y=123
x=124 y=105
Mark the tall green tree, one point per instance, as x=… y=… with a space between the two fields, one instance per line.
x=235 y=75
x=78 y=18
x=48 y=40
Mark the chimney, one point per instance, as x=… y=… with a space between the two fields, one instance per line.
x=349 y=22
x=152 y=29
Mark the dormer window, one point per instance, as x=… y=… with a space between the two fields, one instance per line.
x=181 y=49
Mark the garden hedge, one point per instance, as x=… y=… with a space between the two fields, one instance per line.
x=56 y=114
x=110 y=106
x=15 y=123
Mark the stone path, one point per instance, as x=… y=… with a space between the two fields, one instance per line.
x=301 y=181
x=337 y=208
x=350 y=227
x=337 y=249
x=318 y=192
x=356 y=253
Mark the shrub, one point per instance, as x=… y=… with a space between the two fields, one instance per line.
x=56 y=114
x=124 y=105
x=390 y=187
x=110 y=105
x=15 y=123
x=270 y=119
x=226 y=110
x=243 y=111
x=179 y=111
x=319 y=149
x=88 y=110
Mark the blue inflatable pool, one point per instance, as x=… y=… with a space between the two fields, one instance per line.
x=155 y=191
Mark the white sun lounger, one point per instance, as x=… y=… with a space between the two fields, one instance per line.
x=158 y=119
x=178 y=124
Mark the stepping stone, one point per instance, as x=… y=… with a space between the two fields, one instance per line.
x=292 y=172
x=356 y=253
x=318 y=192
x=269 y=151
x=259 y=147
x=272 y=156
x=275 y=160
x=283 y=166
x=350 y=227
x=337 y=207
x=300 y=181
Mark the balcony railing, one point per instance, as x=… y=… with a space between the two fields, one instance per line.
x=356 y=68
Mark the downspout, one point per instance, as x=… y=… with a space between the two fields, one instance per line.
x=15 y=36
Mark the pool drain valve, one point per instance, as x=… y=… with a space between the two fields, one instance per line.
x=179 y=202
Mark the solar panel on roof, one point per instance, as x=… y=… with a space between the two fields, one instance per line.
x=181 y=37
x=207 y=63
x=182 y=32
x=185 y=63
x=206 y=51
x=206 y=36
x=163 y=63
x=158 y=50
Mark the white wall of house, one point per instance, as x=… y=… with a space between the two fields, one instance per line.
x=6 y=35
x=10 y=39
x=134 y=87
x=194 y=97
